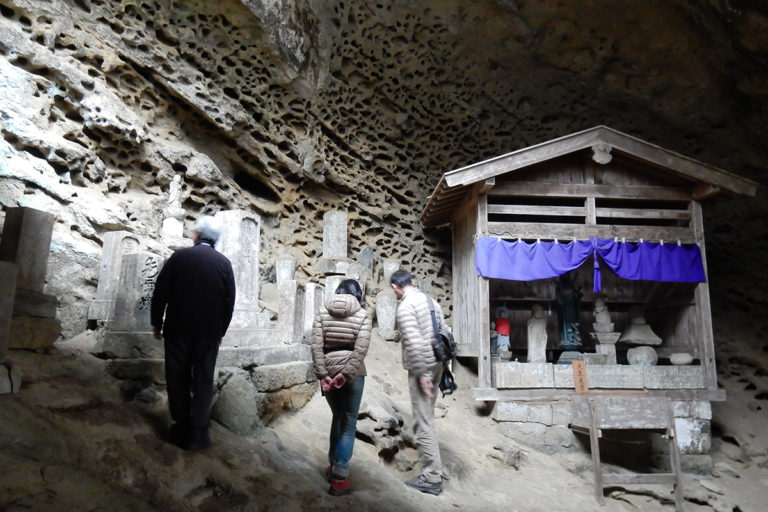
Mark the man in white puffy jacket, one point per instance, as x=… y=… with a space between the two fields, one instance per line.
x=414 y=322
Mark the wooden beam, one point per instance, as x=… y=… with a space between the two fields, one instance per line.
x=548 y=231
x=523 y=209
x=642 y=213
x=533 y=395
x=705 y=334
x=702 y=191
x=580 y=190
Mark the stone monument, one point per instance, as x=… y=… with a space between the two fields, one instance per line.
x=128 y=333
x=26 y=243
x=115 y=245
x=334 y=263
x=240 y=241
x=386 y=302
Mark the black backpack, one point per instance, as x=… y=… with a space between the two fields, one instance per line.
x=443 y=343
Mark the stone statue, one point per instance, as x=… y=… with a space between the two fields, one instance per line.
x=174 y=192
x=602 y=316
x=173 y=213
x=494 y=340
x=502 y=327
x=568 y=307
x=174 y=209
x=537 y=335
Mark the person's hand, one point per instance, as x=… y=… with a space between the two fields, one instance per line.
x=326 y=383
x=339 y=380
x=425 y=383
x=156 y=332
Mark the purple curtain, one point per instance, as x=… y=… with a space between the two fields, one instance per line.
x=651 y=261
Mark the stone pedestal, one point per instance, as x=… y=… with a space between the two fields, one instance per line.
x=609 y=350
x=129 y=331
x=173 y=229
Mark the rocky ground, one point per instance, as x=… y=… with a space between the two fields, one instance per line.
x=69 y=441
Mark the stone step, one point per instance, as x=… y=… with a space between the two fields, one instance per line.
x=284 y=375
x=244 y=357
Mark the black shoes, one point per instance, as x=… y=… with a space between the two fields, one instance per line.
x=188 y=438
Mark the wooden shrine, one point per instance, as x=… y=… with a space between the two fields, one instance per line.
x=594 y=183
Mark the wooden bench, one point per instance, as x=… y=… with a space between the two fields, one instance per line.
x=592 y=413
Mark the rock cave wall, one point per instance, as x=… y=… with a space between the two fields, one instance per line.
x=296 y=107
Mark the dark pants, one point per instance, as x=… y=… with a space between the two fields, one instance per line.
x=189 y=367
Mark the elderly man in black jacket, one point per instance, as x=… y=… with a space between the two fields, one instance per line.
x=196 y=292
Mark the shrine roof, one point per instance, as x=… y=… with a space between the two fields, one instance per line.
x=706 y=180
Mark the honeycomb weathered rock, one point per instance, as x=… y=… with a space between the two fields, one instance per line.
x=292 y=108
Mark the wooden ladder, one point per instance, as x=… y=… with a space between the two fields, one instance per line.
x=594 y=412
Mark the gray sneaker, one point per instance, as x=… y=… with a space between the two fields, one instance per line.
x=423 y=486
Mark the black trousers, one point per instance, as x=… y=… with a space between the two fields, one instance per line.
x=189 y=365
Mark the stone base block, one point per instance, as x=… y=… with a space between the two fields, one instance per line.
x=10 y=378
x=609 y=350
x=334 y=266
x=528 y=412
x=591 y=358
x=281 y=376
x=523 y=375
x=602 y=376
x=246 y=357
x=33 y=333
x=673 y=377
x=547 y=439
x=138 y=369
